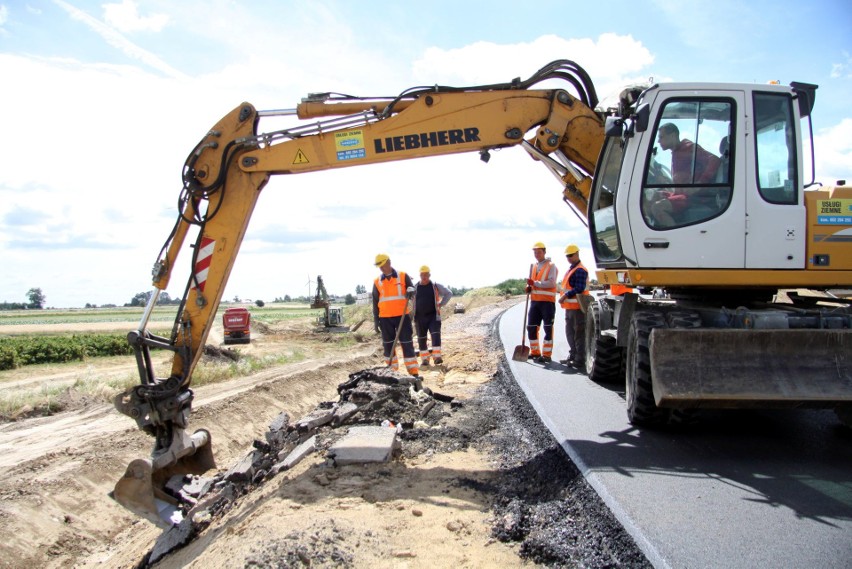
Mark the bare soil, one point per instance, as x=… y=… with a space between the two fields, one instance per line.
x=483 y=485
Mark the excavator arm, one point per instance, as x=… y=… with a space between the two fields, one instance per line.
x=225 y=172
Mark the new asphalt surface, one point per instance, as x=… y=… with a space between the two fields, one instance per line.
x=741 y=489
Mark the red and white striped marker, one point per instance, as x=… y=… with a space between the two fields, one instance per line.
x=202 y=261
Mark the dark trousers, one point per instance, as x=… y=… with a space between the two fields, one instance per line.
x=542 y=313
x=388 y=328
x=575 y=333
x=430 y=324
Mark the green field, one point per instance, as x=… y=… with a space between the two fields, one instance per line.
x=268 y=313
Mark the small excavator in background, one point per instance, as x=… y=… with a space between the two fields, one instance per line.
x=750 y=227
x=333 y=316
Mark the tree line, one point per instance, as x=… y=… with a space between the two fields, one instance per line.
x=37 y=298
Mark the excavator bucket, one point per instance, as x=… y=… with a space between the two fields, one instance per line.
x=729 y=368
x=142 y=488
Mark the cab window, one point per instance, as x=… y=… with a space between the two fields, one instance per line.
x=688 y=174
x=606 y=244
x=775 y=148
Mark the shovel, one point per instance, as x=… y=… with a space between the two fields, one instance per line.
x=522 y=352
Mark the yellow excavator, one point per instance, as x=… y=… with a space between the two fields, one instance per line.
x=718 y=215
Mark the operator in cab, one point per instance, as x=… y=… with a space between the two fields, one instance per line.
x=691 y=164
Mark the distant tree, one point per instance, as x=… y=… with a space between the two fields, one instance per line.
x=140 y=299
x=512 y=286
x=349 y=299
x=89 y=305
x=360 y=289
x=36 y=297
x=458 y=291
x=13 y=306
x=259 y=303
x=237 y=298
x=287 y=298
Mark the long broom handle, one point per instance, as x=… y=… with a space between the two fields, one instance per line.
x=526 y=313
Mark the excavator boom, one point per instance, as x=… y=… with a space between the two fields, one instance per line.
x=225 y=172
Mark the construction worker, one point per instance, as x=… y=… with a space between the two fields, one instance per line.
x=429 y=298
x=541 y=286
x=575 y=284
x=391 y=293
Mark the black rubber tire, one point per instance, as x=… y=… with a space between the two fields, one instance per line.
x=642 y=410
x=603 y=357
x=844 y=414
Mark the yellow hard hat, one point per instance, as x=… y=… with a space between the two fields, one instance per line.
x=424 y=269
x=539 y=245
x=381 y=259
x=571 y=249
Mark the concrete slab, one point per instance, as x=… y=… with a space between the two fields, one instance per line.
x=244 y=469
x=314 y=419
x=296 y=455
x=277 y=432
x=343 y=412
x=171 y=539
x=364 y=444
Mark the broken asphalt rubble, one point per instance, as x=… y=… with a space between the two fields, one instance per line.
x=377 y=404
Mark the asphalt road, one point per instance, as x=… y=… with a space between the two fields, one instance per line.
x=742 y=489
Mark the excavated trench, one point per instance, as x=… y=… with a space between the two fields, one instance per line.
x=536 y=497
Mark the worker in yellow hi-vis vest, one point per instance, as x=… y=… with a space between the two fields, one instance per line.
x=574 y=285
x=541 y=286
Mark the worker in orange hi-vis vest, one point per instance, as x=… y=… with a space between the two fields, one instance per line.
x=574 y=285
x=541 y=286
x=391 y=292
x=429 y=298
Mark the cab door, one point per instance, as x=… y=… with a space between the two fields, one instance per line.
x=687 y=200
x=777 y=220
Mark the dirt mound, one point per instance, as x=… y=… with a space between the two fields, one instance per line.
x=215 y=353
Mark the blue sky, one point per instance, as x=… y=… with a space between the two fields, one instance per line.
x=102 y=101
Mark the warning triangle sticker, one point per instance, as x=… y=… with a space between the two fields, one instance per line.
x=300 y=158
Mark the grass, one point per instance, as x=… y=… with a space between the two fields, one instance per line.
x=46 y=399
x=93 y=385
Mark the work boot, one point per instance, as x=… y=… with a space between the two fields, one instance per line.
x=439 y=360
x=425 y=362
x=531 y=356
x=543 y=359
x=566 y=361
x=578 y=364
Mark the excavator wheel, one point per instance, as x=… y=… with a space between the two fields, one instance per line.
x=604 y=359
x=642 y=410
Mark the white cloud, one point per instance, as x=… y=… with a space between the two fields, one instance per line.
x=118 y=41
x=485 y=62
x=842 y=70
x=833 y=153
x=103 y=163
x=125 y=17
